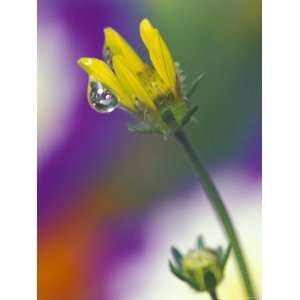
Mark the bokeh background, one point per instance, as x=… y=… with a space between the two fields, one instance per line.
x=111 y=203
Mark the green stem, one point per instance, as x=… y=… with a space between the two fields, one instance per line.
x=220 y=210
x=213 y=295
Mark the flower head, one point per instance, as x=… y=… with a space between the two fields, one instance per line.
x=152 y=93
x=202 y=268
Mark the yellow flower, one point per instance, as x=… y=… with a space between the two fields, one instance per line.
x=147 y=91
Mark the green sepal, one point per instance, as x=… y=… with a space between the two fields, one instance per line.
x=200 y=242
x=182 y=277
x=193 y=285
x=188 y=115
x=194 y=86
x=220 y=254
x=143 y=128
x=226 y=256
x=169 y=118
x=177 y=272
x=177 y=257
x=210 y=281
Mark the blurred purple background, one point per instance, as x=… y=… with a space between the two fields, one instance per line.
x=103 y=191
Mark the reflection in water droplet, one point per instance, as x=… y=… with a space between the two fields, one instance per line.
x=101 y=99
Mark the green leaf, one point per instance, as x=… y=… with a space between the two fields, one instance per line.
x=177 y=272
x=226 y=256
x=177 y=256
x=143 y=128
x=194 y=86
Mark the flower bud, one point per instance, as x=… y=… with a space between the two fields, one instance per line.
x=202 y=267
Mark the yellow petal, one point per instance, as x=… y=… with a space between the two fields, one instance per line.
x=159 y=53
x=146 y=32
x=131 y=82
x=99 y=70
x=118 y=46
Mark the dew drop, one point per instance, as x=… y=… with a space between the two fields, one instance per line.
x=100 y=98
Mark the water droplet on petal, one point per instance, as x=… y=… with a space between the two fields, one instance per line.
x=100 y=98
